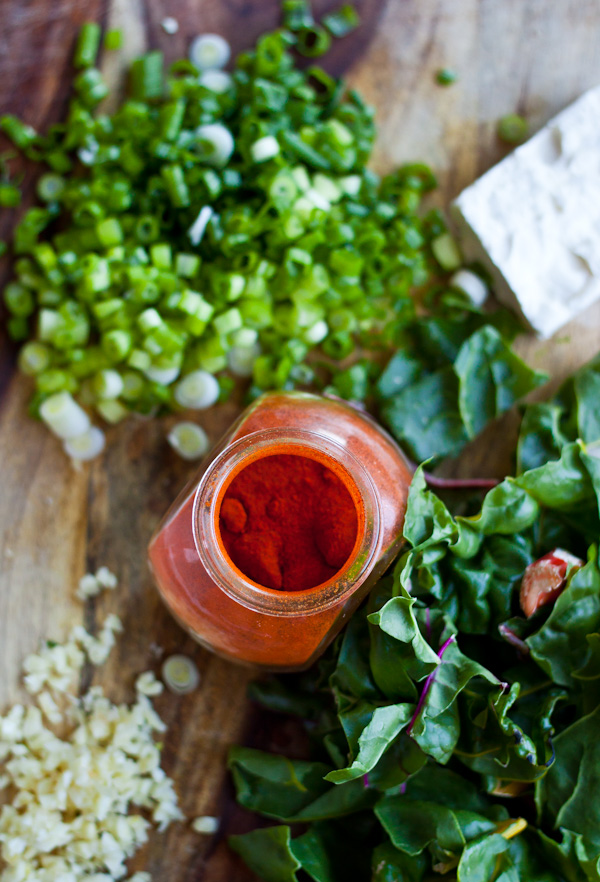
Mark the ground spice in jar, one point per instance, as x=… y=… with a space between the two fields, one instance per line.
x=288 y=522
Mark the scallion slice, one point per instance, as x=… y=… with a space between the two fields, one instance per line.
x=86 y=446
x=209 y=51
x=198 y=390
x=218 y=81
x=445 y=250
x=241 y=359
x=180 y=674
x=214 y=143
x=64 y=416
x=188 y=440
x=472 y=285
x=264 y=149
x=197 y=230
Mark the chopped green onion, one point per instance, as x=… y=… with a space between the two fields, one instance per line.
x=445 y=76
x=214 y=143
x=34 y=358
x=196 y=231
x=216 y=80
x=10 y=195
x=112 y=410
x=513 y=129
x=19 y=133
x=116 y=344
x=265 y=148
x=472 y=285
x=86 y=446
x=50 y=186
x=64 y=416
x=445 y=250
x=197 y=390
x=176 y=186
x=188 y=440
x=317 y=332
x=313 y=41
x=107 y=384
x=19 y=300
x=163 y=375
x=146 y=77
x=113 y=39
x=88 y=43
x=342 y=21
x=133 y=386
x=241 y=359
x=209 y=51
x=170 y=25
x=109 y=232
x=180 y=674
x=228 y=321
x=187 y=265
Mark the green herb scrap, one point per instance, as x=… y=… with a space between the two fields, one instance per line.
x=451 y=735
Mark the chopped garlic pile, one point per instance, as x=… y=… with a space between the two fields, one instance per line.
x=71 y=814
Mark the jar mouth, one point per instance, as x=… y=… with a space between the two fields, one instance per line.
x=210 y=546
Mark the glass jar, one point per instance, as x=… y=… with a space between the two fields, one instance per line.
x=221 y=606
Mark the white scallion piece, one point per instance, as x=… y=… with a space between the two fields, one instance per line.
x=327 y=188
x=64 y=416
x=107 y=384
x=112 y=410
x=265 y=148
x=240 y=359
x=180 y=674
x=316 y=332
x=188 y=440
x=170 y=25
x=34 y=357
x=351 y=184
x=205 y=824
x=218 y=81
x=209 y=51
x=317 y=199
x=445 y=250
x=472 y=285
x=301 y=178
x=87 y=446
x=164 y=376
x=196 y=231
x=197 y=390
x=244 y=337
x=214 y=143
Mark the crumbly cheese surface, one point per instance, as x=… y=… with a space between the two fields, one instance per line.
x=75 y=798
x=534 y=219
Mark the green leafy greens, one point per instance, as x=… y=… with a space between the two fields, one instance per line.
x=451 y=735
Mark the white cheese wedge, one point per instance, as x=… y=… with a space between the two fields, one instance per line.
x=534 y=219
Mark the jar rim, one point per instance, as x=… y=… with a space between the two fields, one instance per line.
x=209 y=545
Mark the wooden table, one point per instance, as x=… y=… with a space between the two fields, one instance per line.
x=530 y=56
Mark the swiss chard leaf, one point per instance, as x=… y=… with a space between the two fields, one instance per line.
x=268 y=853
x=291 y=790
x=568 y=795
x=492 y=378
x=424 y=417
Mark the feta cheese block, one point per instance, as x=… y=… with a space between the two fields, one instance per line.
x=533 y=220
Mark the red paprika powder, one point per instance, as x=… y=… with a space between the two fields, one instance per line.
x=288 y=523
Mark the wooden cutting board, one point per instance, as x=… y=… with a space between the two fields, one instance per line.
x=530 y=56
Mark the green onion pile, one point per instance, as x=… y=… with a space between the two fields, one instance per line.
x=217 y=223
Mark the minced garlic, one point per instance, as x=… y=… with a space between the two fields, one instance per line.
x=73 y=815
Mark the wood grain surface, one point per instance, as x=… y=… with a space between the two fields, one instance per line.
x=532 y=56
